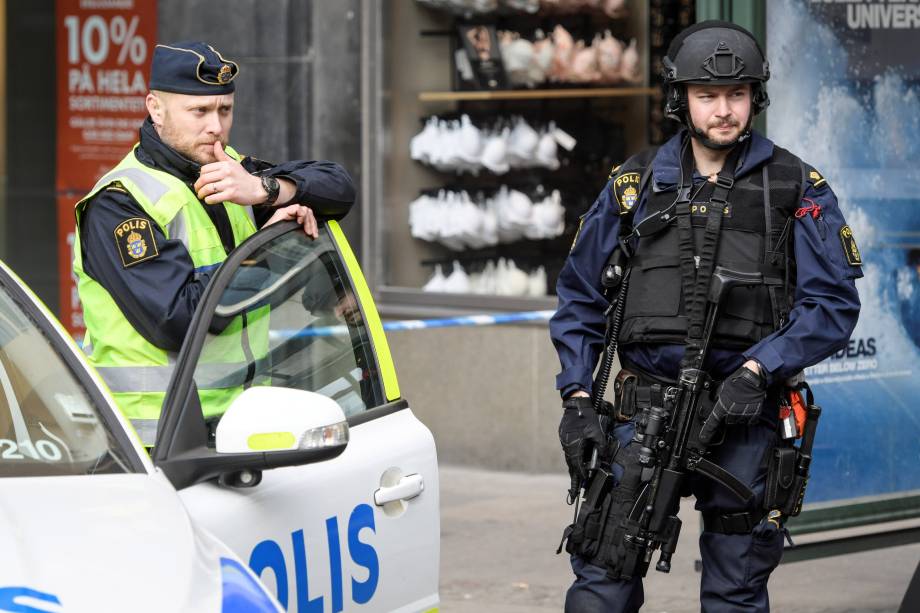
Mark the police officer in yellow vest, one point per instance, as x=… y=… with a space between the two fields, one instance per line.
x=154 y=229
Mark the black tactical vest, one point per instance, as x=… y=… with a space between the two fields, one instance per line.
x=756 y=235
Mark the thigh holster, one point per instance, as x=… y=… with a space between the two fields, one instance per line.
x=604 y=532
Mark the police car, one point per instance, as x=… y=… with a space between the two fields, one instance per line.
x=315 y=489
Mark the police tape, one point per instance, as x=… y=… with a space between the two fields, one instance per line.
x=469 y=320
x=423 y=324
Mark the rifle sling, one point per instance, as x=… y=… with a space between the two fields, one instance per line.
x=724 y=478
x=696 y=271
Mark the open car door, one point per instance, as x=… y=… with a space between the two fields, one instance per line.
x=284 y=431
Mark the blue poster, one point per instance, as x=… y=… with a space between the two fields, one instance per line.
x=846 y=98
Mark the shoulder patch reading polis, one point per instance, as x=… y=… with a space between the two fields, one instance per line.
x=626 y=190
x=850 y=250
x=135 y=242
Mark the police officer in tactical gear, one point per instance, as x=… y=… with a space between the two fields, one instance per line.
x=779 y=217
x=153 y=230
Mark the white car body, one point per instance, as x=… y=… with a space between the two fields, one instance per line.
x=353 y=527
x=116 y=539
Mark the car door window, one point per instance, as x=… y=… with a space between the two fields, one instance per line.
x=49 y=422
x=289 y=318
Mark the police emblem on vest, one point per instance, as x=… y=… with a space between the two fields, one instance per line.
x=135 y=241
x=136 y=245
x=626 y=190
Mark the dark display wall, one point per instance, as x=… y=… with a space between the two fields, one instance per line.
x=30 y=229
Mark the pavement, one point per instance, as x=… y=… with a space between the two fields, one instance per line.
x=500 y=530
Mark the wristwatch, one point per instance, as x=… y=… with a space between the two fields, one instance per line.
x=271 y=185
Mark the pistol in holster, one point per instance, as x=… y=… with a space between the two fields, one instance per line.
x=790 y=464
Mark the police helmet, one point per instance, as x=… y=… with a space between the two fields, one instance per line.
x=714 y=52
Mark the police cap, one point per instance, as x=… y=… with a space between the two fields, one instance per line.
x=193 y=68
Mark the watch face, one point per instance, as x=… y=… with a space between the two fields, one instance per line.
x=271 y=185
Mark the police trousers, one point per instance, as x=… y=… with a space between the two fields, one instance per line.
x=736 y=567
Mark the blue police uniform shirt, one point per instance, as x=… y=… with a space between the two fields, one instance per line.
x=826 y=303
x=159 y=295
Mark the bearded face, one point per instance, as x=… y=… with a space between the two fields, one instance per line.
x=192 y=124
x=720 y=111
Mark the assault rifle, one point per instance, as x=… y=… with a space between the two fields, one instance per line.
x=667 y=431
x=671 y=449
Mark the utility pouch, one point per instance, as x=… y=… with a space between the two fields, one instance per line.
x=618 y=551
x=781 y=478
x=624 y=395
x=585 y=534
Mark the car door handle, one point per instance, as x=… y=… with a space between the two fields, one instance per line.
x=408 y=487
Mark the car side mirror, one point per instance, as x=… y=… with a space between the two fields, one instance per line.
x=274 y=419
x=264 y=428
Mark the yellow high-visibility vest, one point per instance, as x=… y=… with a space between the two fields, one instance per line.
x=136 y=371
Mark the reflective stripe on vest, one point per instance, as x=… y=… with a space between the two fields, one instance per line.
x=153 y=188
x=146 y=430
x=178 y=230
x=156 y=378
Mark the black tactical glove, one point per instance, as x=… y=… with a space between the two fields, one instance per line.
x=579 y=433
x=739 y=401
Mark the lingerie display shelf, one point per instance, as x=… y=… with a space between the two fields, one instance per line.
x=536 y=94
x=603 y=121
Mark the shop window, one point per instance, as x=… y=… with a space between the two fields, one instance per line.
x=502 y=122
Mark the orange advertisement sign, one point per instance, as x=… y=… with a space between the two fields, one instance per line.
x=104 y=49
